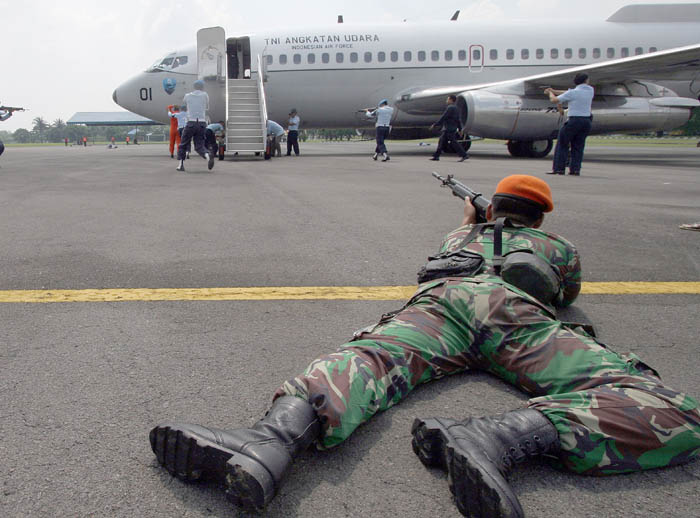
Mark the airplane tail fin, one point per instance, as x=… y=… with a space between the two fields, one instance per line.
x=657 y=13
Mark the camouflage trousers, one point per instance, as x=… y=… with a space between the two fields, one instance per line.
x=612 y=412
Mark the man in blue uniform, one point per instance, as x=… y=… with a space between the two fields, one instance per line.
x=574 y=132
x=383 y=113
x=197 y=103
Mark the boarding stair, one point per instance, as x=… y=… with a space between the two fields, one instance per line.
x=247 y=117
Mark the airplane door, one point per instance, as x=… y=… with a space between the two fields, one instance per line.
x=476 y=58
x=239 y=58
x=211 y=59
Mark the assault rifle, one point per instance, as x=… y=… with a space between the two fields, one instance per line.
x=462 y=191
x=11 y=109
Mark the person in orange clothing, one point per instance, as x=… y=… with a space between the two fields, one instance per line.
x=174 y=133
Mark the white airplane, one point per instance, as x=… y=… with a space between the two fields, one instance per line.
x=644 y=62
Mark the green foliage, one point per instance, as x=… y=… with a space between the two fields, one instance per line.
x=22 y=136
x=6 y=136
x=692 y=127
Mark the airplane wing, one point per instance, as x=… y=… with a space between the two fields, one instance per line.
x=678 y=64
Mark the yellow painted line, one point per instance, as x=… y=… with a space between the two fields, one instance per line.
x=306 y=292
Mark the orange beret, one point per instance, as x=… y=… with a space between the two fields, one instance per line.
x=528 y=187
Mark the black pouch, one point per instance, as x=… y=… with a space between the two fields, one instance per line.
x=461 y=263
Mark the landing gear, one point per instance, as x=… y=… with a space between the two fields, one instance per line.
x=530 y=148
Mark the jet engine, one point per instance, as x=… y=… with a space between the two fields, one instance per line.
x=530 y=123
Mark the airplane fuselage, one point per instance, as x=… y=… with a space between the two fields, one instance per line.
x=330 y=73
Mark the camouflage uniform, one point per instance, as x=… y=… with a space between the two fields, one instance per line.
x=612 y=412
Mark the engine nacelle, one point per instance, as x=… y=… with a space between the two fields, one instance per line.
x=515 y=117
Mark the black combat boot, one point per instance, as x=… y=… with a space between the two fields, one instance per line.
x=479 y=452
x=251 y=462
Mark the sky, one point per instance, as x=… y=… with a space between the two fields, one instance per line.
x=59 y=58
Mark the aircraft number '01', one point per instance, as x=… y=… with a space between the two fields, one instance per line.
x=146 y=94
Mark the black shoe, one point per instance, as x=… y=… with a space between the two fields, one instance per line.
x=386 y=158
x=172 y=155
x=435 y=158
x=180 y=166
x=374 y=157
x=210 y=161
x=252 y=462
x=574 y=173
x=478 y=453
x=555 y=172
x=465 y=157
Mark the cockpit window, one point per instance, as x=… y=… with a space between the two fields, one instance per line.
x=170 y=62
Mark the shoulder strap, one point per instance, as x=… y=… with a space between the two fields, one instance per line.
x=498 y=245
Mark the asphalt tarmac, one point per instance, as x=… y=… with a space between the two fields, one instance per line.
x=82 y=383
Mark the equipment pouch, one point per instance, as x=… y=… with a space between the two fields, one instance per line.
x=461 y=263
x=532 y=274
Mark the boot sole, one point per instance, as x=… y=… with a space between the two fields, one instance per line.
x=189 y=457
x=476 y=493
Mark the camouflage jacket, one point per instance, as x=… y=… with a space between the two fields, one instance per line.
x=554 y=249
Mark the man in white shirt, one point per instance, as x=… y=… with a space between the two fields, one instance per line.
x=383 y=113
x=197 y=103
x=574 y=132
x=274 y=133
x=293 y=133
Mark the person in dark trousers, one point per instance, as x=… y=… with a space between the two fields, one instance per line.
x=383 y=113
x=293 y=133
x=197 y=103
x=451 y=128
x=572 y=135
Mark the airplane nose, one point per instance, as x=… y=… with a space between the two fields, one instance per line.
x=114 y=97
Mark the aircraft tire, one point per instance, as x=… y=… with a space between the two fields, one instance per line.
x=516 y=148
x=537 y=148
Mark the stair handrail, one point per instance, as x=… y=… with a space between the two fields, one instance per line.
x=263 y=104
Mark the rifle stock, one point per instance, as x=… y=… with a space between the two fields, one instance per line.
x=460 y=190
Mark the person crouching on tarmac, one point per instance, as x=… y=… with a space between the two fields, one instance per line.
x=210 y=136
x=197 y=103
x=383 y=113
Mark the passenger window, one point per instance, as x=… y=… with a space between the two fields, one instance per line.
x=269 y=59
x=297 y=59
x=311 y=58
x=493 y=54
x=421 y=55
x=638 y=51
x=568 y=53
x=435 y=55
x=652 y=49
x=624 y=52
x=462 y=55
x=476 y=54
x=407 y=56
x=394 y=56
x=596 y=53
x=353 y=57
x=510 y=54
x=368 y=57
x=381 y=57
x=539 y=53
x=611 y=52
x=339 y=57
x=325 y=57
x=554 y=53
x=525 y=53
x=582 y=53
x=448 y=55
x=283 y=59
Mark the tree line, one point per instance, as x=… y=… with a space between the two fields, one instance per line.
x=57 y=131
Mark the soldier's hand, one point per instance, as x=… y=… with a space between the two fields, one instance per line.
x=469 y=213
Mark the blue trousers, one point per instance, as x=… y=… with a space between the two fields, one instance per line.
x=193 y=131
x=382 y=133
x=571 y=135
